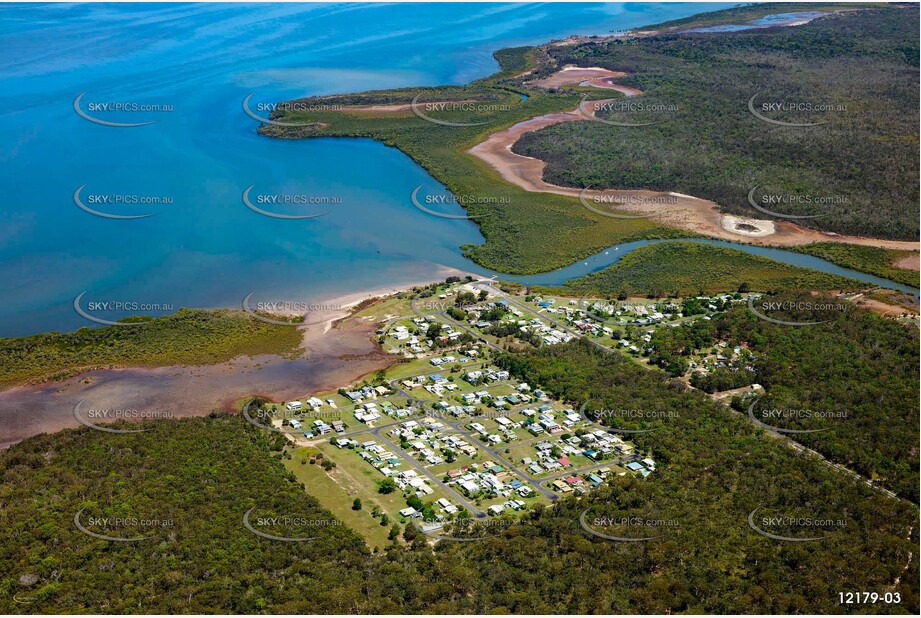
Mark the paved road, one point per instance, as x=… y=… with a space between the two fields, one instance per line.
x=437 y=481
x=601 y=464
x=493 y=453
x=536 y=481
x=444 y=316
x=487 y=284
x=800 y=448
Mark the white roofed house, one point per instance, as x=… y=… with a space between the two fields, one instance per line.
x=470 y=487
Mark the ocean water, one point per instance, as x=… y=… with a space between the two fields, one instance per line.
x=203 y=247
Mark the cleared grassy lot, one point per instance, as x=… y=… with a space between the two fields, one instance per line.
x=336 y=491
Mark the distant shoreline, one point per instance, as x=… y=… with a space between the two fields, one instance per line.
x=338 y=351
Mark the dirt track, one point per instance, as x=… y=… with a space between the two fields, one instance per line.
x=911 y=262
x=671 y=209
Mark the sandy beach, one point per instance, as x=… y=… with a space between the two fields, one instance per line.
x=339 y=349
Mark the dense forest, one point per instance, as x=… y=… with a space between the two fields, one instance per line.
x=855 y=170
x=193 y=503
x=199 y=477
x=855 y=378
x=858 y=170
x=671 y=269
x=187 y=337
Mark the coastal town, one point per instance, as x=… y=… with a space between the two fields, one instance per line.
x=446 y=435
x=461 y=309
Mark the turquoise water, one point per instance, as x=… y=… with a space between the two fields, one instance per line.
x=203 y=247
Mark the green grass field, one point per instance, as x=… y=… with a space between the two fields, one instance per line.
x=337 y=498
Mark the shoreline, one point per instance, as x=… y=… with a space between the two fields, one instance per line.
x=316 y=333
x=338 y=351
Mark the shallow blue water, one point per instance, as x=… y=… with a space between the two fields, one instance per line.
x=203 y=247
x=777 y=19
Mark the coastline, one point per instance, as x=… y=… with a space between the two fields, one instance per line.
x=316 y=333
x=339 y=350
